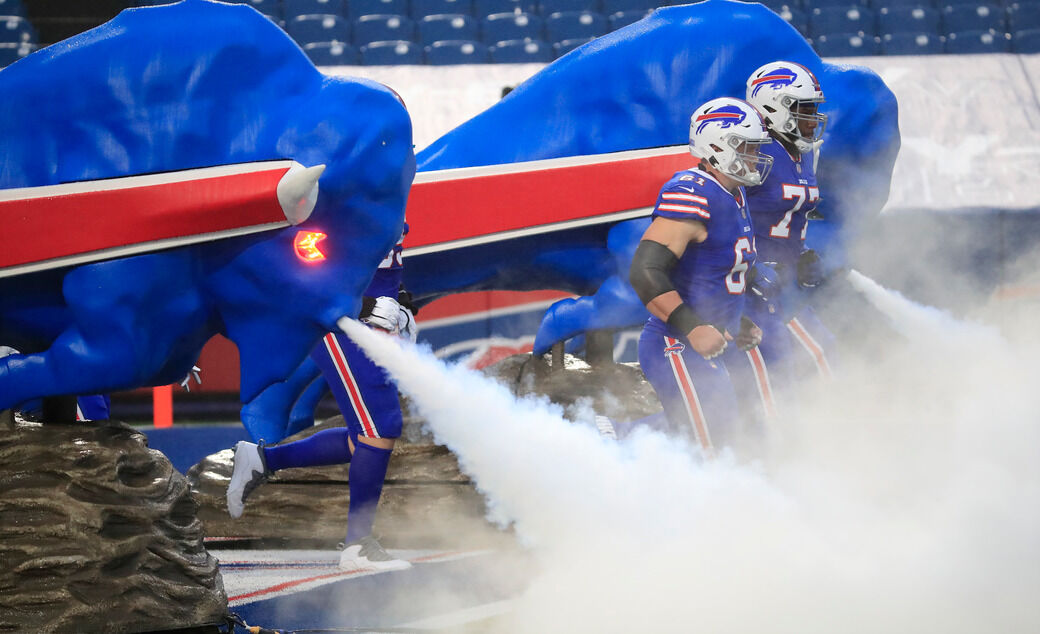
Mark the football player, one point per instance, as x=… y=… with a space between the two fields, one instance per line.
x=690 y=270
x=788 y=96
x=367 y=398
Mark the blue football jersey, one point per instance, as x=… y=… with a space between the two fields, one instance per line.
x=710 y=276
x=780 y=204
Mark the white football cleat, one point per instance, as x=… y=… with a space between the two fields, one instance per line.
x=248 y=472
x=367 y=554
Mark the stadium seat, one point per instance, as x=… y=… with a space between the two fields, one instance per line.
x=908 y=20
x=549 y=7
x=620 y=19
x=267 y=7
x=500 y=27
x=810 y=5
x=16 y=29
x=434 y=28
x=358 y=8
x=566 y=46
x=911 y=44
x=378 y=28
x=778 y=5
x=521 y=52
x=973 y=17
x=879 y=4
x=456 y=52
x=318 y=28
x=570 y=25
x=796 y=18
x=1026 y=41
x=977 y=41
x=390 y=53
x=831 y=20
x=331 y=54
x=490 y=7
x=1023 y=16
x=422 y=8
x=846 y=45
x=12 y=7
x=613 y=6
x=11 y=52
x=293 y=8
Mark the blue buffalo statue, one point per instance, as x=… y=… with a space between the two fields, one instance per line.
x=165 y=89
x=636 y=88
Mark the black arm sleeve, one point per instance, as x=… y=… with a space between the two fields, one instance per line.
x=651 y=271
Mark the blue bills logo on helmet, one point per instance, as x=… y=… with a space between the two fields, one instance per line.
x=726 y=116
x=776 y=80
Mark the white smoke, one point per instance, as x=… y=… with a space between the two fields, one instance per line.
x=905 y=497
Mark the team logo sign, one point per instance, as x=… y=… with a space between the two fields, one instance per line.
x=726 y=116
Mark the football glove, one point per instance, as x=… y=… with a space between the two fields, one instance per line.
x=810 y=270
x=383 y=315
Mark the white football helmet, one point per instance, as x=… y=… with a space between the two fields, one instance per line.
x=728 y=134
x=788 y=96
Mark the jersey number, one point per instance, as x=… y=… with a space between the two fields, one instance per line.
x=797 y=193
x=735 y=280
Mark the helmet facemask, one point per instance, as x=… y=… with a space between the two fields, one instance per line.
x=803 y=126
x=743 y=160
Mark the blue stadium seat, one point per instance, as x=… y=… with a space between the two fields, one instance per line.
x=331 y=54
x=879 y=4
x=854 y=19
x=267 y=7
x=846 y=45
x=778 y=5
x=977 y=41
x=1026 y=41
x=566 y=46
x=570 y=25
x=11 y=52
x=491 y=7
x=378 y=28
x=796 y=18
x=1023 y=16
x=16 y=29
x=499 y=27
x=620 y=19
x=973 y=17
x=293 y=8
x=391 y=53
x=358 y=8
x=521 y=52
x=434 y=28
x=549 y=7
x=833 y=4
x=908 y=20
x=422 y=8
x=318 y=28
x=911 y=44
x=613 y=6
x=12 y=7
x=456 y=52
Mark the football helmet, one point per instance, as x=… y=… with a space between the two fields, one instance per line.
x=788 y=95
x=728 y=134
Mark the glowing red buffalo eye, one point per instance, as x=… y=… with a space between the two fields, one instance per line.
x=306 y=245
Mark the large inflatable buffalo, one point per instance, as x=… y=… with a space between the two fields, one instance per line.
x=166 y=89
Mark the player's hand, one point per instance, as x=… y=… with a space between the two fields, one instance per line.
x=810 y=270
x=749 y=336
x=406 y=327
x=707 y=341
x=384 y=315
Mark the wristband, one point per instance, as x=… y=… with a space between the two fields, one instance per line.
x=684 y=319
